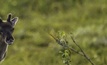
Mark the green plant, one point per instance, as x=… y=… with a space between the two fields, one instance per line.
x=66 y=52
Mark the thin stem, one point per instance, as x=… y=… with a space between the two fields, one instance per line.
x=76 y=51
x=82 y=51
x=71 y=49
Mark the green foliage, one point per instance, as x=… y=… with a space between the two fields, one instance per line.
x=65 y=52
x=33 y=46
x=65 y=56
x=67 y=49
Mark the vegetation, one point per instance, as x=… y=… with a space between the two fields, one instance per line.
x=86 y=19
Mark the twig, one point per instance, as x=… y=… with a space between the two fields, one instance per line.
x=82 y=51
x=76 y=51
x=71 y=49
x=57 y=40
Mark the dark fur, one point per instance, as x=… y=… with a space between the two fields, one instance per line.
x=6 y=38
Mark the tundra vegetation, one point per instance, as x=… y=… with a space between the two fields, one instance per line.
x=85 y=19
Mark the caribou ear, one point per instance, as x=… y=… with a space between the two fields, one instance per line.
x=14 y=21
x=9 y=17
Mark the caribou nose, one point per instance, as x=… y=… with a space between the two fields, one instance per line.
x=10 y=41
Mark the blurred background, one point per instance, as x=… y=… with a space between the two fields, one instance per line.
x=86 y=19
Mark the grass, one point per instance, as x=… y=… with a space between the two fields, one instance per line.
x=33 y=46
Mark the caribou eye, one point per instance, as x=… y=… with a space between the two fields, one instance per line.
x=1 y=32
x=0 y=28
